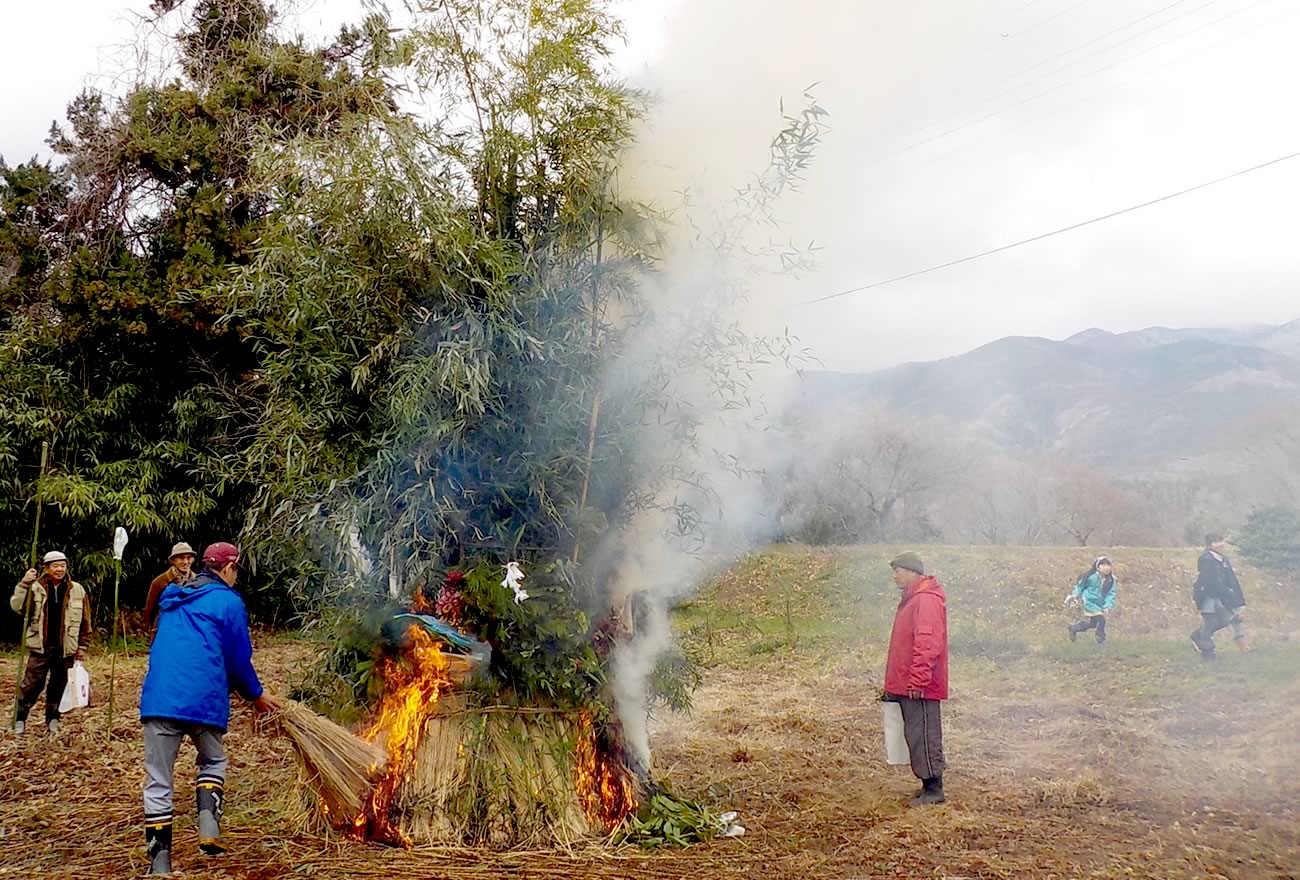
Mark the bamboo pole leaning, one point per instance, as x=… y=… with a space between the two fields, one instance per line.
x=27 y=603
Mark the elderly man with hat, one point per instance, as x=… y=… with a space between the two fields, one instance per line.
x=180 y=570
x=58 y=628
x=916 y=672
x=201 y=653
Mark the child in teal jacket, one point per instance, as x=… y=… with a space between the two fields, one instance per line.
x=1095 y=593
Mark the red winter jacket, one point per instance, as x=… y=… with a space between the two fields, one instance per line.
x=918 y=646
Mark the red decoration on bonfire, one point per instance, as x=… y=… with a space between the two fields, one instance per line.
x=450 y=602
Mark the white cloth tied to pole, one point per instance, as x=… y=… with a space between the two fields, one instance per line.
x=515 y=574
x=119 y=542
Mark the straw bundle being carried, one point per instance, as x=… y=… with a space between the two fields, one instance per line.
x=338 y=766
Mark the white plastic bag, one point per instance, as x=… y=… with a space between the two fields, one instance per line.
x=896 y=751
x=77 y=694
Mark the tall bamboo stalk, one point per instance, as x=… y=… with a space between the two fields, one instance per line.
x=597 y=394
x=27 y=604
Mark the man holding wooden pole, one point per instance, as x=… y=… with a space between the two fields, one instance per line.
x=58 y=629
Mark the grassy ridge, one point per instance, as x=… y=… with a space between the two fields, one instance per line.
x=1006 y=620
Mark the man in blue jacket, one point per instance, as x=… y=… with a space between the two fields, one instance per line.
x=201 y=653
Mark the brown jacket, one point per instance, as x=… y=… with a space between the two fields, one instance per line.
x=76 y=615
x=156 y=587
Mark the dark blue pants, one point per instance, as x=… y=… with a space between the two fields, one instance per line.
x=1094 y=621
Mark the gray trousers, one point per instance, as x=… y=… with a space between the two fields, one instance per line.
x=1213 y=621
x=162 y=741
x=923 y=730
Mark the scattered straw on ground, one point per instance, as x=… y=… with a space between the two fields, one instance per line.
x=1040 y=786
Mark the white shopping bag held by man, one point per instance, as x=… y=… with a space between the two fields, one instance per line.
x=77 y=694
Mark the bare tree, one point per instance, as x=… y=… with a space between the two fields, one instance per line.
x=868 y=477
x=1030 y=484
x=1001 y=501
x=1086 y=502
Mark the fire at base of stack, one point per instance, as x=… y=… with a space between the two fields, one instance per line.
x=472 y=761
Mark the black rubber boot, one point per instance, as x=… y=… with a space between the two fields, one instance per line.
x=931 y=793
x=158 y=848
x=209 y=794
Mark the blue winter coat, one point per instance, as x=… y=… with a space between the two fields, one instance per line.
x=1097 y=599
x=201 y=653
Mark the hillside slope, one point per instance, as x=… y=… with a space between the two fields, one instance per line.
x=1135 y=405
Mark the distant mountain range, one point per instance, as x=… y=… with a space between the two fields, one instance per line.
x=1284 y=340
x=1150 y=402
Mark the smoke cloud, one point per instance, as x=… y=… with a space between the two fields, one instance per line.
x=914 y=176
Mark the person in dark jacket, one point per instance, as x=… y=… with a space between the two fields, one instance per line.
x=916 y=672
x=201 y=653
x=1218 y=597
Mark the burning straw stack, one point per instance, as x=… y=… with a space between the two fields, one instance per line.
x=461 y=769
x=510 y=777
x=464 y=774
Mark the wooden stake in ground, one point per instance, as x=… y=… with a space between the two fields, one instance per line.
x=27 y=605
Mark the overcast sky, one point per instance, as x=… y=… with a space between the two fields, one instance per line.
x=957 y=126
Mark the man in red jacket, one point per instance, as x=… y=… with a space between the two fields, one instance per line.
x=916 y=673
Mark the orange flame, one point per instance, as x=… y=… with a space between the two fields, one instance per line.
x=421 y=604
x=412 y=688
x=603 y=784
x=413 y=685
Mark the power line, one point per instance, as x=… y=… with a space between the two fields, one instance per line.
x=957 y=101
x=1061 y=55
x=1087 y=43
x=1040 y=237
x=1002 y=40
x=1059 y=86
x=954 y=68
x=1107 y=90
x=1075 y=62
x=1044 y=21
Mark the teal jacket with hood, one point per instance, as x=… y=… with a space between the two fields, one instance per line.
x=1098 y=597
